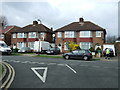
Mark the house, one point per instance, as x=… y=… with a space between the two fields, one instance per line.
x=118 y=47
x=85 y=33
x=26 y=36
x=5 y=34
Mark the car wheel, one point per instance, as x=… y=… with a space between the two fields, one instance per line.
x=85 y=58
x=66 y=57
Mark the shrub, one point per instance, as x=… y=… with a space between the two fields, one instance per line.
x=92 y=49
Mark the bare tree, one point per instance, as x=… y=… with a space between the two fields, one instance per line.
x=3 y=21
x=111 y=39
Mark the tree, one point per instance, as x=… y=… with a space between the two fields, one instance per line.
x=72 y=46
x=3 y=21
x=111 y=39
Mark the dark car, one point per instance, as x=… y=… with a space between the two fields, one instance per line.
x=111 y=52
x=53 y=51
x=25 y=49
x=78 y=54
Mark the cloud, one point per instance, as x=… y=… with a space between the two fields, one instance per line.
x=57 y=13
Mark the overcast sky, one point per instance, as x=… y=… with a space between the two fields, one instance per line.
x=57 y=13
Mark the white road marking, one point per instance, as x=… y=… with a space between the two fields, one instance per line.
x=61 y=64
x=51 y=64
x=43 y=78
x=71 y=68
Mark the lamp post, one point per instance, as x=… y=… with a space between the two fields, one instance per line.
x=39 y=38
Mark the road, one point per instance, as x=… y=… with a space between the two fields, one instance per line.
x=41 y=72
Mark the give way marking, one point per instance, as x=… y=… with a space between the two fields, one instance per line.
x=43 y=78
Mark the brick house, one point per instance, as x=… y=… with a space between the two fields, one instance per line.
x=118 y=47
x=5 y=34
x=84 y=33
x=26 y=36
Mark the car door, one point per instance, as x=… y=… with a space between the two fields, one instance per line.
x=74 y=54
x=80 y=54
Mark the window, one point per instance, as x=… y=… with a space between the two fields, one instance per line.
x=1 y=36
x=21 y=35
x=98 y=33
x=42 y=35
x=21 y=44
x=59 y=34
x=65 y=46
x=75 y=52
x=31 y=45
x=85 y=34
x=32 y=35
x=14 y=35
x=69 y=34
x=85 y=45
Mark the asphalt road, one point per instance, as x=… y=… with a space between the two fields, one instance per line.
x=39 y=72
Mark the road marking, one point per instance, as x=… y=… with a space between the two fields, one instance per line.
x=71 y=68
x=43 y=78
x=51 y=64
x=61 y=64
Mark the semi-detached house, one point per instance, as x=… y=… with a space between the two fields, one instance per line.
x=85 y=33
x=26 y=36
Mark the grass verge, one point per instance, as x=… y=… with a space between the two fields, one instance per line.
x=49 y=56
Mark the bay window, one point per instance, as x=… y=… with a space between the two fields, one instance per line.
x=85 y=34
x=21 y=35
x=70 y=34
x=14 y=35
x=32 y=35
x=31 y=45
x=85 y=45
x=21 y=44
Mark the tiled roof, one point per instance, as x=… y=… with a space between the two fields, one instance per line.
x=6 y=29
x=76 y=26
x=34 y=28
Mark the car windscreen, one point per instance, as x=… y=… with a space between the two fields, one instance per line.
x=52 y=49
x=3 y=45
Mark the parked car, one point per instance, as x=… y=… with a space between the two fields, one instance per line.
x=25 y=49
x=111 y=52
x=53 y=51
x=78 y=54
x=4 y=49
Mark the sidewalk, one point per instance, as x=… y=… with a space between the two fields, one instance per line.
x=111 y=59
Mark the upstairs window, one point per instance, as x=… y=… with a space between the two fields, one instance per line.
x=59 y=34
x=14 y=35
x=32 y=35
x=69 y=34
x=42 y=35
x=85 y=34
x=98 y=33
x=21 y=35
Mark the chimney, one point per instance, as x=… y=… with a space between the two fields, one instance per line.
x=35 y=22
x=81 y=20
x=51 y=29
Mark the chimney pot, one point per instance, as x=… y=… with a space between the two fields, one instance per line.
x=81 y=20
x=35 y=22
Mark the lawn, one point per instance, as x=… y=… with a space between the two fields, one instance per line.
x=49 y=56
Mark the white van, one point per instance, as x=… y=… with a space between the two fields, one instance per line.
x=41 y=46
x=4 y=48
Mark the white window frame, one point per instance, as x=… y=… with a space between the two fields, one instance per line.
x=98 y=33
x=21 y=44
x=82 y=34
x=31 y=45
x=84 y=44
x=32 y=35
x=14 y=35
x=21 y=35
x=69 y=34
x=59 y=34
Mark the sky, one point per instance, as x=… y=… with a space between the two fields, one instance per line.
x=58 y=13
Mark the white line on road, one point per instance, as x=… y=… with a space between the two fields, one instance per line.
x=71 y=68
x=43 y=78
